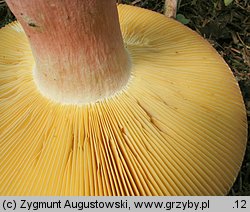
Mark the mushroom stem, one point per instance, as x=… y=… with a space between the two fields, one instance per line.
x=170 y=8
x=77 y=46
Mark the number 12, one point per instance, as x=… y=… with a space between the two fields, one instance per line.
x=241 y=203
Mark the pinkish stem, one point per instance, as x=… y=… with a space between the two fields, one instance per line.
x=77 y=46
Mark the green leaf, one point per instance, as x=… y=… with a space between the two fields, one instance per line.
x=181 y=18
x=227 y=2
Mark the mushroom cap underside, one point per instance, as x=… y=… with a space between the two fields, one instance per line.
x=177 y=128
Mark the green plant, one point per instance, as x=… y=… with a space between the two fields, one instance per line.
x=227 y=2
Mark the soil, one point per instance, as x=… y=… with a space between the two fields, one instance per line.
x=227 y=28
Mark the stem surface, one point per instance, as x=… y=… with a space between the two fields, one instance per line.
x=77 y=47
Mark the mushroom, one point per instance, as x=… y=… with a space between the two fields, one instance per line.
x=90 y=105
